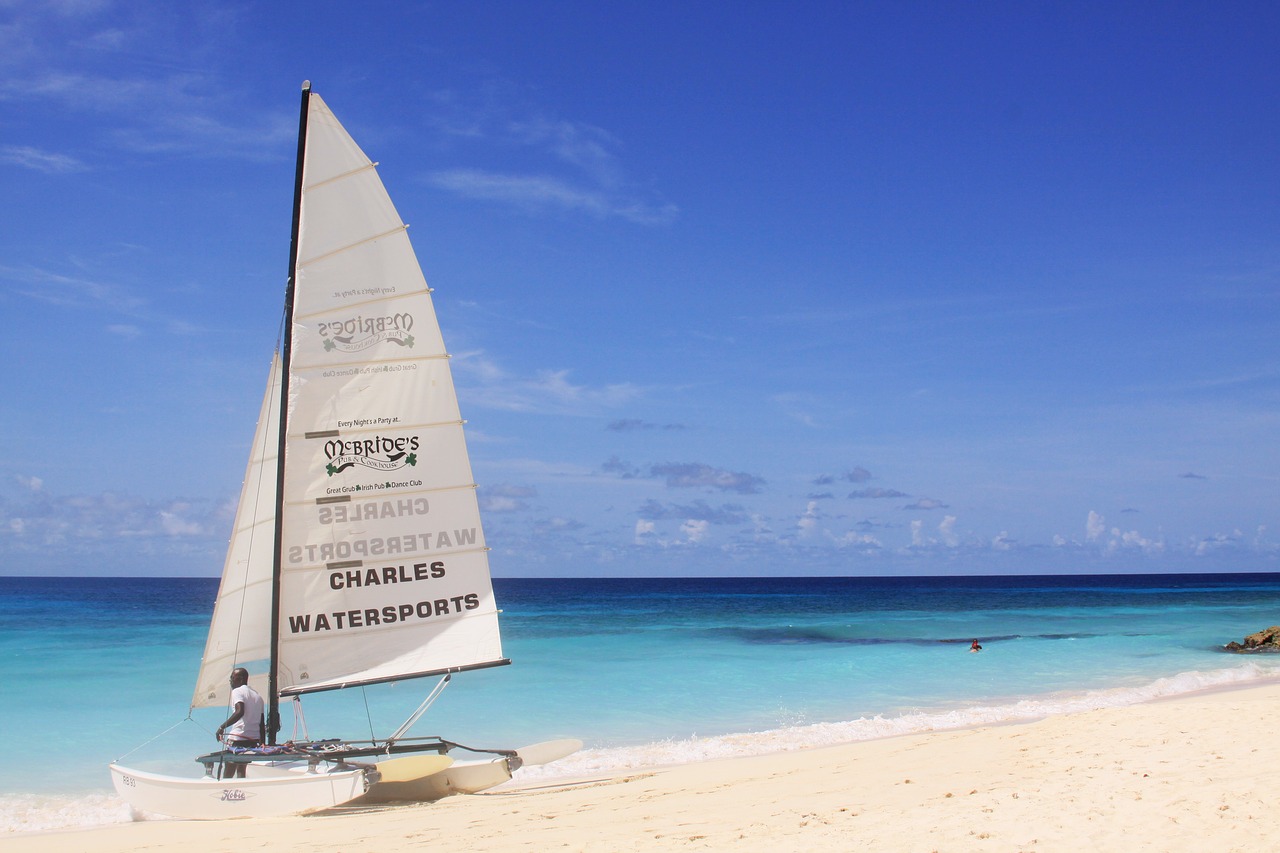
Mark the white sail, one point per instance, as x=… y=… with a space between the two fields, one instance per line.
x=240 y=631
x=357 y=554
x=384 y=571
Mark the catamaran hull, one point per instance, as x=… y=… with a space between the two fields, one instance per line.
x=465 y=777
x=217 y=799
x=458 y=779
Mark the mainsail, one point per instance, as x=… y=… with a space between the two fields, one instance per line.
x=382 y=570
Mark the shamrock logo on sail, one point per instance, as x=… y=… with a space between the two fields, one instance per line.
x=381 y=453
x=356 y=334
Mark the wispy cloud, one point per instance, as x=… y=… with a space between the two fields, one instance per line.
x=124 y=330
x=506 y=498
x=40 y=161
x=564 y=165
x=635 y=424
x=83 y=58
x=947 y=538
x=125 y=314
x=540 y=192
x=857 y=474
x=688 y=475
x=208 y=134
x=70 y=290
x=926 y=504
x=543 y=391
x=588 y=148
x=877 y=493
x=693 y=475
x=697 y=511
x=35 y=520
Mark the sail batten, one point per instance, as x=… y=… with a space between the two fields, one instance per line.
x=376 y=361
x=335 y=433
x=351 y=246
x=380 y=300
x=308 y=187
x=364 y=564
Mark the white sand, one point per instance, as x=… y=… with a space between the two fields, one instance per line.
x=1190 y=774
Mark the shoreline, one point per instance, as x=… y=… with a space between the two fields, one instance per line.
x=1175 y=773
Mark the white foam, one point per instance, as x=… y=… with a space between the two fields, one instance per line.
x=23 y=813
x=592 y=762
x=44 y=813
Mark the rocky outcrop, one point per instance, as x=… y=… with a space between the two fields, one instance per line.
x=1263 y=641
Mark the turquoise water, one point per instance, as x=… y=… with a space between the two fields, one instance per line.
x=644 y=671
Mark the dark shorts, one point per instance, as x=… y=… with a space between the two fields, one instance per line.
x=243 y=744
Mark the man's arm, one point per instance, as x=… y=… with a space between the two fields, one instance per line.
x=239 y=712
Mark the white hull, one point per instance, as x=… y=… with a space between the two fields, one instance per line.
x=217 y=799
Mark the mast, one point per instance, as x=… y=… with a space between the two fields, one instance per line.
x=286 y=352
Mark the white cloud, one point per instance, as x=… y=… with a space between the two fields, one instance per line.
x=1217 y=542
x=173 y=524
x=538 y=192
x=580 y=145
x=555 y=384
x=694 y=530
x=544 y=391
x=573 y=166
x=695 y=475
x=947 y=530
x=808 y=522
x=853 y=538
x=107 y=531
x=761 y=530
x=1134 y=539
x=501 y=503
x=1095 y=526
x=40 y=161
x=34 y=484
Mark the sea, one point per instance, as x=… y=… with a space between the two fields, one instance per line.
x=646 y=672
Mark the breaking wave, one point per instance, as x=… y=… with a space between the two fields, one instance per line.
x=595 y=762
x=27 y=813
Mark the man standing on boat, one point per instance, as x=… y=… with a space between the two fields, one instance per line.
x=243 y=728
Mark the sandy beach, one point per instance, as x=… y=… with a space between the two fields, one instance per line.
x=1186 y=774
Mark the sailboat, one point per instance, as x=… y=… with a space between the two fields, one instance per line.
x=357 y=555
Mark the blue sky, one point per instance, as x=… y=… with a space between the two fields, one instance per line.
x=731 y=288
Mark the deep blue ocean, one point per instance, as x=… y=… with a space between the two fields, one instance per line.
x=645 y=671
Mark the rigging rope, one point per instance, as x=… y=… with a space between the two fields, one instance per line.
x=187 y=719
x=364 y=694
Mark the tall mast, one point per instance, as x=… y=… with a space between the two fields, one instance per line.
x=286 y=353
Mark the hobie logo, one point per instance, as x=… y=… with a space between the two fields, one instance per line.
x=379 y=453
x=357 y=334
x=233 y=795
